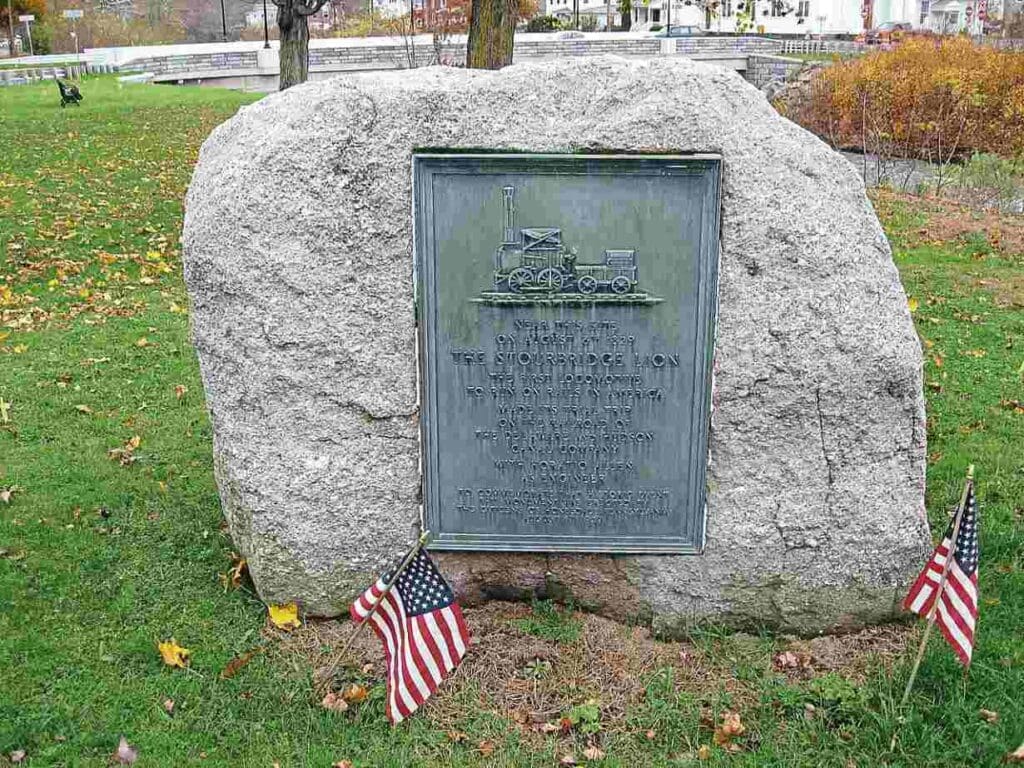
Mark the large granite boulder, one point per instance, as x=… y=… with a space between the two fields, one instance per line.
x=298 y=258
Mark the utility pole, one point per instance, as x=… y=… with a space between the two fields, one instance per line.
x=266 y=27
x=224 y=21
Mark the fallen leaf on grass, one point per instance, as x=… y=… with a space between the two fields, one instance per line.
x=485 y=747
x=456 y=737
x=334 y=703
x=550 y=728
x=169 y=706
x=83 y=408
x=5 y=411
x=180 y=390
x=704 y=752
x=355 y=693
x=730 y=727
x=126 y=754
x=791 y=660
x=342 y=764
x=284 y=616
x=173 y=654
x=912 y=304
x=567 y=760
x=650 y=735
x=1017 y=756
x=593 y=752
x=18 y=756
x=233 y=578
x=125 y=455
x=143 y=342
x=989 y=716
x=232 y=667
x=6 y=494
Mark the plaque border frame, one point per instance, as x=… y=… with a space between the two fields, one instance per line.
x=425 y=163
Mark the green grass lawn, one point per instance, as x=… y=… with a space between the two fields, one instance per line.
x=101 y=559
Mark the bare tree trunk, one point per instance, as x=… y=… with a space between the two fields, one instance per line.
x=294 y=31
x=294 y=47
x=492 y=26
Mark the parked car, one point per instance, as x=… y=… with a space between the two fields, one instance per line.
x=888 y=32
x=682 y=30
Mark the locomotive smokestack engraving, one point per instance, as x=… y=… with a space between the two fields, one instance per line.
x=510 y=213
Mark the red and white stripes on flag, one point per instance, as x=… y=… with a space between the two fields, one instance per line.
x=956 y=609
x=422 y=630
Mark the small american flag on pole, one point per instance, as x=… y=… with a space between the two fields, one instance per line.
x=948 y=590
x=421 y=628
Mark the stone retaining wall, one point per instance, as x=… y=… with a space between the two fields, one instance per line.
x=392 y=54
x=762 y=69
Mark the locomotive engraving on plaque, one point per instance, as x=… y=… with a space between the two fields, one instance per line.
x=566 y=306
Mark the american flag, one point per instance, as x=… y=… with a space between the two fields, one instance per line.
x=421 y=628
x=957 y=610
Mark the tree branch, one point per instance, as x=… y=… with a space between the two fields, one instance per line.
x=302 y=9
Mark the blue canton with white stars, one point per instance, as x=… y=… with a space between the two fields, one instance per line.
x=966 y=552
x=422 y=587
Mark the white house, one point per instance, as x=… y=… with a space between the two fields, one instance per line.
x=798 y=17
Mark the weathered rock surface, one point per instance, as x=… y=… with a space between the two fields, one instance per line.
x=298 y=257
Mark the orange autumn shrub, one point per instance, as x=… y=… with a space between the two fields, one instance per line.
x=935 y=99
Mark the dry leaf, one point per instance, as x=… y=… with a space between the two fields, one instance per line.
x=169 y=706
x=355 y=693
x=912 y=303
x=81 y=408
x=125 y=455
x=6 y=494
x=1017 y=756
x=342 y=764
x=567 y=760
x=704 y=753
x=5 y=410
x=18 y=756
x=485 y=747
x=173 y=654
x=456 y=737
x=233 y=578
x=730 y=727
x=180 y=390
x=593 y=752
x=550 y=728
x=143 y=342
x=285 y=616
x=650 y=735
x=989 y=716
x=232 y=667
x=792 y=660
x=125 y=754
x=334 y=702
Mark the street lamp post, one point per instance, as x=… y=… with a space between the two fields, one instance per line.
x=223 y=21
x=266 y=28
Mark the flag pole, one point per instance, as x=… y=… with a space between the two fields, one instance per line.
x=938 y=593
x=420 y=542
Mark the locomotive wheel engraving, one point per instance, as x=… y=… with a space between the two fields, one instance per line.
x=519 y=278
x=550 y=280
x=587 y=284
x=620 y=285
